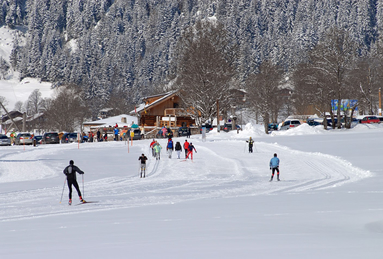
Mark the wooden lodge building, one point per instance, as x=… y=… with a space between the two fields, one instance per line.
x=162 y=110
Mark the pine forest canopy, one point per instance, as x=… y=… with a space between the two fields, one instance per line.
x=130 y=47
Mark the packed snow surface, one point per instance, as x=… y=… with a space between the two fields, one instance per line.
x=221 y=204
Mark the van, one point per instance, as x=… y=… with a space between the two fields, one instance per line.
x=288 y=124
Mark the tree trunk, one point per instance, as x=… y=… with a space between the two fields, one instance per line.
x=338 y=123
x=266 y=122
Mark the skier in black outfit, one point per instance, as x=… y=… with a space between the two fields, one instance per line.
x=70 y=172
x=143 y=159
x=251 y=143
x=178 y=149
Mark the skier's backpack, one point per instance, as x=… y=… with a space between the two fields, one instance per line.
x=170 y=144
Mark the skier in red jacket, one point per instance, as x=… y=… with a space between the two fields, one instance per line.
x=186 y=148
x=190 y=151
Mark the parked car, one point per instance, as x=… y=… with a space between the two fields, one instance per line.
x=137 y=134
x=273 y=126
x=4 y=140
x=51 y=138
x=228 y=127
x=38 y=139
x=24 y=138
x=288 y=124
x=69 y=137
x=183 y=131
x=208 y=128
x=369 y=119
x=314 y=122
x=329 y=121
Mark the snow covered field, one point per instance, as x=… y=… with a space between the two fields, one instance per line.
x=15 y=91
x=328 y=203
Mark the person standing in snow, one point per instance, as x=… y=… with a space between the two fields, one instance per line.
x=157 y=149
x=190 y=151
x=98 y=135
x=143 y=159
x=13 y=137
x=251 y=143
x=186 y=148
x=178 y=149
x=274 y=166
x=116 y=134
x=164 y=131
x=170 y=147
x=152 y=147
x=70 y=172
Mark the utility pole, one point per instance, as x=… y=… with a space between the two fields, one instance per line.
x=24 y=120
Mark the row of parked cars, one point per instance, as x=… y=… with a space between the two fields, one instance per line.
x=28 y=139
x=292 y=123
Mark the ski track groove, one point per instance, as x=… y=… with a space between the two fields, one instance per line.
x=167 y=183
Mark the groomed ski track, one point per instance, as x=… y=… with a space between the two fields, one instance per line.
x=220 y=169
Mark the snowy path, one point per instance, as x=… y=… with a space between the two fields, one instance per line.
x=221 y=169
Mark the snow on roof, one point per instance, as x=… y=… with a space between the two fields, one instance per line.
x=113 y=120
x=143 y=106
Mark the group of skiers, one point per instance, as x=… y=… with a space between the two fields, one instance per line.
x=71 y=169
x=170 y=147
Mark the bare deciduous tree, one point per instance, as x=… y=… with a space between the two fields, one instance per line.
x=18 y=106
x=263 y=90
x=33 y=104
x=327 y=75
x=67 y=111
x=333 y=59
x=205 y=69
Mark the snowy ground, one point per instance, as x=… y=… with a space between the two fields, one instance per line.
x=15 y=91
x=328 y=203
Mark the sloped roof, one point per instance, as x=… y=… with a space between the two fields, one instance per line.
x=113 y=120
x=145 y=106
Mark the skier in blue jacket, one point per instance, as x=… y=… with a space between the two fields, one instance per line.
x=274 y=166
x=169 y=147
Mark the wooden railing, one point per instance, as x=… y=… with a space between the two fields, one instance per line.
x=174 y=112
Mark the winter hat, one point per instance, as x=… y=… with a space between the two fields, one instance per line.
x=71 y=162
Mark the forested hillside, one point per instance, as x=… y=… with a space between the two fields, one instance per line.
x=130 y=47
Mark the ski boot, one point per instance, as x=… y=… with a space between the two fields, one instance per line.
x=70 y=202
x=82 y=200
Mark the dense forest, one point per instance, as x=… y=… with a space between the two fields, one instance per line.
x=130 y=48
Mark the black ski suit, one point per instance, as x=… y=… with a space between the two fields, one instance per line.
x=251 y=143
x=70 y=172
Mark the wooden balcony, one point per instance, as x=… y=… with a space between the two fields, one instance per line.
x=174 y=112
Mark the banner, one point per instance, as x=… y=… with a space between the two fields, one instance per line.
x=345 y=105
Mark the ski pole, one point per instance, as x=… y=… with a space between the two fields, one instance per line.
x=62 y=193
x=83 y=189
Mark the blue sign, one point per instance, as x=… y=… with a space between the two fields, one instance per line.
x=345 y=104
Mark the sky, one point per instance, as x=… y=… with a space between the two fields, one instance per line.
x=328 y=203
